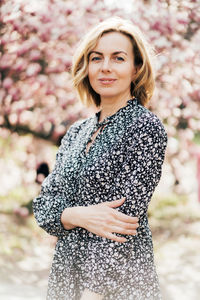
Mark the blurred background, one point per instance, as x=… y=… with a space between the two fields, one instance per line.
x=38 y=104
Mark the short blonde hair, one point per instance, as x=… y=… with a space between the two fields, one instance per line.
x=143 y=86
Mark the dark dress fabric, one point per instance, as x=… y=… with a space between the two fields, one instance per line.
x=125 y=160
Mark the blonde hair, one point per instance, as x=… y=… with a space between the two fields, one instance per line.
x=143 y=86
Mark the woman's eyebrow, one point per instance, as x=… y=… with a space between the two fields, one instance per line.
x=95 y=52
x=118 y=52
x=114 y=53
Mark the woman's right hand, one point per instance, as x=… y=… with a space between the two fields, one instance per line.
x=103 y=220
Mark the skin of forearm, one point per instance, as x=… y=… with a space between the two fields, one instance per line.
x=70 y=217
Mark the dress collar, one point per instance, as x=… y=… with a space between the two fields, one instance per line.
x=130 y=102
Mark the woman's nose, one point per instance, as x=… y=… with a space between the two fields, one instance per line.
x=106 y=66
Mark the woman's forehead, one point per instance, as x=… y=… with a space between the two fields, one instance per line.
x=114 y=42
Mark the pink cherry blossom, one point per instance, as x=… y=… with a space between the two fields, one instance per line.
x=38 y=39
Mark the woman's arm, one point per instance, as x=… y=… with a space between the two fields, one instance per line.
x=141 y=169
x=54 y=214
x=53 y=198
x=136 y=180
x=101 y=219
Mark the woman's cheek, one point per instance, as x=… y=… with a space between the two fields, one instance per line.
x=91 y=74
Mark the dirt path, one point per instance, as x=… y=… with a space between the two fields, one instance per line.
x=10 y=291
x=27 y=278
x=178 y=265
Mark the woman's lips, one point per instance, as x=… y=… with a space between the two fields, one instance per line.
x=107 y=80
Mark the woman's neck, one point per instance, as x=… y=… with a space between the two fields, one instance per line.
x=111 y=106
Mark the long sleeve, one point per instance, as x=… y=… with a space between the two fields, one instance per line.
x=53 y=198
x=141 y=169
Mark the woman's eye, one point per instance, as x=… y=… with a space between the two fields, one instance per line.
x=95 y=58
x=119 y=58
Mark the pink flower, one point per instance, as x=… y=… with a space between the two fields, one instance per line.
x=7 y=83
x=21 y=211
x=34 y=54
x=7 y=60
x=14 y=92
x=20 y=64
x=33 y=69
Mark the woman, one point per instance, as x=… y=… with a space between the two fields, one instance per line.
x=106 y=170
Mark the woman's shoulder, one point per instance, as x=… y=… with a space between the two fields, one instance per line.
x=149 y=122
x=74 y=128
x=148 y=117
x=78 y=124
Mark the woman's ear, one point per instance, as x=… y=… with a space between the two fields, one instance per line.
x=133 y=75
x=136 y=69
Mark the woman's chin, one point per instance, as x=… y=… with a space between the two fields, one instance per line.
x=108 y=94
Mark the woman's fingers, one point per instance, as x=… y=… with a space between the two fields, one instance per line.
x=103 y=220
x=125 y=218
x=114 y=203
x=115 y=238
x=126 y=226
x=122 y=217
x=122 y=230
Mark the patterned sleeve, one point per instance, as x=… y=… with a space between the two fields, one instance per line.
x=52 y=200
x=142 y=166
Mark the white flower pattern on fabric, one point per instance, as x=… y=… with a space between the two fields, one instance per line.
x=125 y=160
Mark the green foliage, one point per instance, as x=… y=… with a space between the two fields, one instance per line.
x=17 y=196
x=167 y=207
x=196 y=139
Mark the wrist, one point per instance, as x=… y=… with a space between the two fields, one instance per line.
x=70 y=217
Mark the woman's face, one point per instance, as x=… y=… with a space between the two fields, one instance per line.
x=111 y=66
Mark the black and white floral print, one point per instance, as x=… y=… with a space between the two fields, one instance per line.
x=125 y=160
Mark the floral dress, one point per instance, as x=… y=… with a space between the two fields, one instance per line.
x=125 y=160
